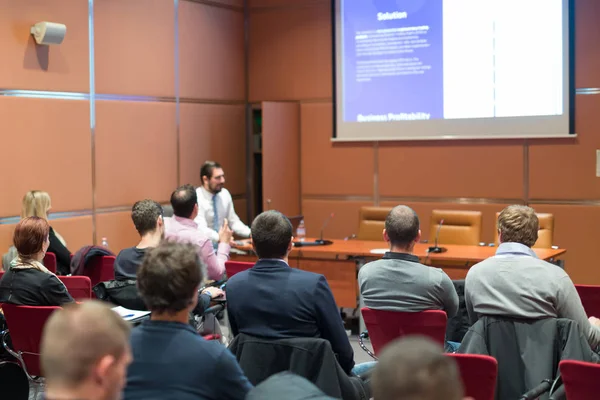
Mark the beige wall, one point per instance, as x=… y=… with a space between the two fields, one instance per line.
x=290 y=59
x=157 y=117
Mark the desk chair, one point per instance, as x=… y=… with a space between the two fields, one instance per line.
x=79 y=287
x=478 y=373
x=372 y=222
x=100 y=269
x=234 y=267
x=590 y=298
x=385 y=326
x=459 y=227
x=26 y=324
x=50 y=262
x=581 y=379
x=545 y=231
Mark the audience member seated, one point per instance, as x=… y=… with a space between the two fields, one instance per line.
x=28 y=282
x=415 y=368
x=215 y=204
x=170 y=360
x=272 y=300
x=36 y=203
x=85 y=353
x=182 y=228
x=516 y=283
x=398 y=282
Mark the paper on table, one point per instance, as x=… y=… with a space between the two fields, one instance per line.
x=379 y=251
x=129 y=315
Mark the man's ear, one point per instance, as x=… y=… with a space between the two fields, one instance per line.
x=102 y=368
x=291 y=244
x=386 y=237
x=418 y=238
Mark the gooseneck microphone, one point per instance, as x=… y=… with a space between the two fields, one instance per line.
x=320 y=241
x=324 y=226
x=435 y=248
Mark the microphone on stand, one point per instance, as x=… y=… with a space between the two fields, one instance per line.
x=320 y=240
x=435 y=248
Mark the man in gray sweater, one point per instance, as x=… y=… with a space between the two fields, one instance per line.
x=398 y=282
x=515 y=283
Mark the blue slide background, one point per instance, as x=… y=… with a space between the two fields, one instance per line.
x=393 y=94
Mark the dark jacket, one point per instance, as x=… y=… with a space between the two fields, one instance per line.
x=527 y=351
x=311 y=358
x=288 y=386
x=272 y=300
x=63 y=255
x=84 y=255
x=32 y=287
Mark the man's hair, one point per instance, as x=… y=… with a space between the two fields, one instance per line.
x=30 y=235
x=169 y=277
x=415 y=368
x=207 y=169
x=183 y=200
x=518 y=224
x=144 y=214
x=402 y=226
x=76 y=337
x=271 y=234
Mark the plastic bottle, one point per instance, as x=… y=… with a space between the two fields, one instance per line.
x=104 y=242
x=301 y=231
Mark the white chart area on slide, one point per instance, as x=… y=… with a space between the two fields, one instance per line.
x=503 y=58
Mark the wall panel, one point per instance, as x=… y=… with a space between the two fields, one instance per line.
x=136 y=152
x=587 y=36
x=328 y=168
x=25 y=65
x=118 y=229
x=213 y=132
x=77 y=231
x=343 y=224
x=47 y=147
x=211 y=58
x=134 y=47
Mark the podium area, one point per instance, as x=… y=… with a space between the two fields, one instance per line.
x=338 y=261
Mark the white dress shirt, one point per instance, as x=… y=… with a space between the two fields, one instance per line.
x=224 y=204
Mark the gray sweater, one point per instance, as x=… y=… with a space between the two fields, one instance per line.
x=515 y=283
x=398 y=282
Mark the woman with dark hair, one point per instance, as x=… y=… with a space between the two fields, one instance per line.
x=28 y=282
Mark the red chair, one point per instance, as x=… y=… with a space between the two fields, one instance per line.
x=234 y=267
x=581 y=379
x=26 y=324
x=385 y=326
x=590 y=298
x=80 y=287
x=50 y=262
x=478 y=373
x=100 y=269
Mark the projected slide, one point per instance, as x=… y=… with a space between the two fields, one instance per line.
x=426 y=60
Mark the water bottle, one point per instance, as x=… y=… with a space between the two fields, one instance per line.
x=104 y=242
x=301 y=231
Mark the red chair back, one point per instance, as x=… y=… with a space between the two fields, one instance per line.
x=26 y=324
x=590 y=298
x=234 y=267
x=100 y=269
x=581 y=379
x=80 y=287
x=478 y=373
x=50 y=262
x=385 y=326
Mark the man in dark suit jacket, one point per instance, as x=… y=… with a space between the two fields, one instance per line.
x=272 y=300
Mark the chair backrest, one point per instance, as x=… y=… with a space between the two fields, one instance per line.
x=100 y=269
x=385 y=326
x=478 y=373
x=234 y=267
x=590 y=298
x=372 y=222
x=50 y=261
x=26 y=324
x=460 y=227
x=545 y=231
x=80 y=287
x=581 y=379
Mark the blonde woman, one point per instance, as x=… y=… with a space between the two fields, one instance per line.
x=36 y=203
x=28 y=282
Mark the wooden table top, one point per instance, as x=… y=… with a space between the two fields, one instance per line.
x=367 y=248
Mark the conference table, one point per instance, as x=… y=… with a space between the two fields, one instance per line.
x=338 y=261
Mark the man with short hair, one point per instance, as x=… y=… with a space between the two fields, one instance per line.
x=515 y=283
x=171 y=361
x=147 y=216
x=85 y=353
x=215 y=204
x=415 y=368
x=273 y=300
x=399 y=282
x=181 y=227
